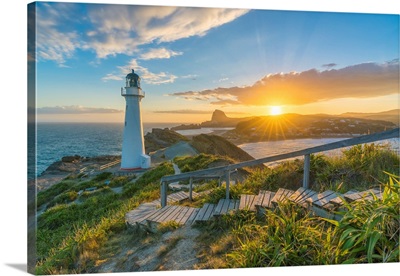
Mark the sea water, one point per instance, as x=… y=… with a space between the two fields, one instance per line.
x=55 y=140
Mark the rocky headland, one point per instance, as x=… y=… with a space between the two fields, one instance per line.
x=161 y=144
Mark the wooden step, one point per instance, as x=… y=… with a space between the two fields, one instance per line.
x=177 y=197
x=247 y=202
x=178 y=214
x=205 y=212
x=225 y=206
x=337 y=201
x=264 y=199
x=366 y=195
x=301 y=195
x=281 y=195
x=322 y=199
x=140 y=214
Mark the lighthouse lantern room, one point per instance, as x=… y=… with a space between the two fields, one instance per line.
x=133 y=153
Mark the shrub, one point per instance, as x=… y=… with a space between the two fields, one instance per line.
x=368 y=231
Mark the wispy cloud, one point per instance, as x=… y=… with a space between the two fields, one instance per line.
x=146 y=75
x=190 y=111
x=111 y=77
x=74 y=109
x=296 y=88
x=190 y=76
x=120 y=29
x=159 y=54
x=53 y=44
x=329 y=65
x=183 y=111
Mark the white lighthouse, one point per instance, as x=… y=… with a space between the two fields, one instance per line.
x=133 y=154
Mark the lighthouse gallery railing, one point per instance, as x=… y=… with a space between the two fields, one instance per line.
x=226 y=170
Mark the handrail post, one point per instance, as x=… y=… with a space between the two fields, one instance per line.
x=191 y=189
x=163 y=194
x=228 y=181
x=306 y=175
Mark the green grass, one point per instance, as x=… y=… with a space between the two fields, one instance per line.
x=70 y=236
x=199 y=162
x=292 y=236
x=73 y=229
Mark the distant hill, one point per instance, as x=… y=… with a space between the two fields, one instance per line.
x=390 y=116
x=294 y=126
x=219 y=119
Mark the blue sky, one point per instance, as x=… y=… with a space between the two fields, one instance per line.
x=195 y=60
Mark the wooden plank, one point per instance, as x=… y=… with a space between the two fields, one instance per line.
x=231 y=205
x=209 y=212
x=260 y=198
x=172 y=216
x=167 y=214
x=243 y=199
x=378 y=196
x=182 y=214
x=202 y=211
x=237 y=202
x=286 y=194
x=309 y=194
x=278 y=195
x=323 y=198
x=337 y=201
x=266 y=203
x=192 y=217
x=218 y=209
x=187 y=215
x=158 y=213
x=311 y=198
x=134 y=217
x=362 y=195
x=162 y=213
x=297 y=193
x=225 y=207
x=251 y=205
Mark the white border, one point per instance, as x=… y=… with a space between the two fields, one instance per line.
x=13 y=241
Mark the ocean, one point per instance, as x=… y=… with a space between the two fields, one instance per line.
x=55 y=140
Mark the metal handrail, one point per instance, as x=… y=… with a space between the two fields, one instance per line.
x=393 y=133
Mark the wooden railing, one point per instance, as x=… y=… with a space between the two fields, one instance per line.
x=105 y=166
x=226 y=170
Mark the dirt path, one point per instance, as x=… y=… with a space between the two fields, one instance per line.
x=174 y=250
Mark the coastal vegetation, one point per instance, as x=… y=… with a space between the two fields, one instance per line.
x=78 y=227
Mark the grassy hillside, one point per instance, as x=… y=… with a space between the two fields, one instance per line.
x=76 y=226
x=292 y=236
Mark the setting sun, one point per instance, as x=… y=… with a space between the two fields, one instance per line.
x=275 y=110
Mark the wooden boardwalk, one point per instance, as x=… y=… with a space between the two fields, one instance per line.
x=321 y=204
x=225 y=206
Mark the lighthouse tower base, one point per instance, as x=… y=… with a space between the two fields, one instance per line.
x=145 y=163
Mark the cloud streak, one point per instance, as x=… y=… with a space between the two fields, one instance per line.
x=183 y=111
x=121 y=29
x=75 y=109
x=51 y=43
x=159 y=54
x=146 y=75
x=357 y=81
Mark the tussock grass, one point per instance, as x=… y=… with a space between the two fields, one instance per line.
x=71 y=237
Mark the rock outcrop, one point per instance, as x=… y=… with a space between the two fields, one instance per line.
x=161 y=138
x=213 y=144
x=219 y=119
